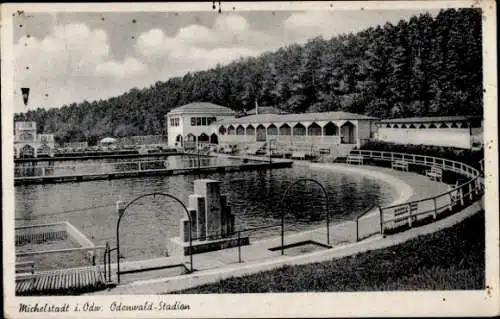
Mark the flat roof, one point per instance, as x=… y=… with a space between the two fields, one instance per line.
x=201 y=107
x=266 y=110
x=431 y=119
x=297 y=117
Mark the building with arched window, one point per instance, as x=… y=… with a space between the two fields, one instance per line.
x=27 y=143
x=193 y=123
x=455 y=131
x=338 y=132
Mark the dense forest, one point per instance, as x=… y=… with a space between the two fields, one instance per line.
x=422 y=67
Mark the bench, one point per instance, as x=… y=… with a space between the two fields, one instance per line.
x=355 y=159
x=403 y=165
x=299 y=155
x=435 y=173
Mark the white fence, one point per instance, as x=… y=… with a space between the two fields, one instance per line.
x=406 y=214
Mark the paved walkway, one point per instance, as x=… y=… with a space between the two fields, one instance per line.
x=258 y=256
x=166 y=285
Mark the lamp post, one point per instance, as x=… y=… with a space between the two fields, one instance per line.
x=269 y=150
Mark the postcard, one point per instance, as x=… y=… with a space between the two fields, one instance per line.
x=250 y=159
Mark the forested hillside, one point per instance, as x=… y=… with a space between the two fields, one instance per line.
x=424 y=66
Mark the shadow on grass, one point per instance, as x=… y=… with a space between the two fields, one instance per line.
x=450 y=259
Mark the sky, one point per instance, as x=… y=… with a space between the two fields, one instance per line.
x=71 y=57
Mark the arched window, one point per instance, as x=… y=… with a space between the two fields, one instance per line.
x=230 y=130
x=261 y=133
x=240 y=130
x=314 y=130
x=214 y=139
x=331 y=129
x=299 y=130
x=285 y=129
x=272 y=130
x=203 y=138
x=347 y=131
x=222 y=130
x=250 y=130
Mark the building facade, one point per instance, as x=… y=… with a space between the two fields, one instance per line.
x=27 y=143
x=192 y=123
x=449 y=131
x=335 y=132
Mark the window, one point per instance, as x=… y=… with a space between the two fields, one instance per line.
x=193 y=121
x=198 y=121
x=174 y=121
x=204 y=121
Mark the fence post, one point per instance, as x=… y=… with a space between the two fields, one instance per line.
x=43 y=171
x=450 y=206
x=140 y=166
x=410 y=218
x=470 y=192
x=435 y=208
x=109 y=264
x=357 y=229
x=461 y=194
x=239 y=247
x=381 y=221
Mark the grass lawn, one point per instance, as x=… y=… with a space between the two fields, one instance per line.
x=449 y=259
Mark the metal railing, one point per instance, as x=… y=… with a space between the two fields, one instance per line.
x=366 y=211
x=105 y=168
x=406 y=214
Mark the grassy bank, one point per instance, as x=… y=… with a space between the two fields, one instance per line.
x=449 y=259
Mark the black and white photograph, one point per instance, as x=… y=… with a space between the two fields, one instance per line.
x=250 y=159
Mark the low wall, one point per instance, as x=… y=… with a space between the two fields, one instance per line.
x=59 y=257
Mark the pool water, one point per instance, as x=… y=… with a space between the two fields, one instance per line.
x=253 y=195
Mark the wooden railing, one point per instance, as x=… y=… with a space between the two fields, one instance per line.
x=407 y=214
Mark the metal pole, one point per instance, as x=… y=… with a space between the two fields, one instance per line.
x=109 y=264
x=118 y=254
x=190 y=246
x=269 y=151
x=381 y=221
x=239 y=248
x=199 y=164
x=283 y=233
x=435 y=208
x=327 y=218
x=357 y=229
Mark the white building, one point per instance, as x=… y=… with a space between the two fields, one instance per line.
x=451 y=131
x=27 y=143
x=192 y=123
x=335 y=132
